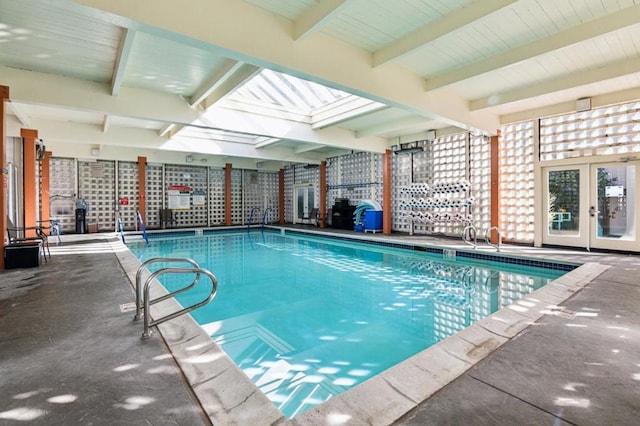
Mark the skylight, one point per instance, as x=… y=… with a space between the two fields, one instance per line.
x=283 y=90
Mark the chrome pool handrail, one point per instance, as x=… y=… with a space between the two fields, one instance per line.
x=475 y=236
x=148 y=323
x=140 y=301
x=264 y=216
x=253 y=209
x=487 y=235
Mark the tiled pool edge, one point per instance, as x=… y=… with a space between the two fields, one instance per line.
x=229 y=397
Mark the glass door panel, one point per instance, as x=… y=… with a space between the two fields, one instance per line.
x=614 y=209
x=565 y=206
x=304 y=202
x=564 y=202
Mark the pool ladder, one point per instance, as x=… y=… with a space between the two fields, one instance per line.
x=143 y=302
x=250 y=221
x=473 y=234
x=487 y=236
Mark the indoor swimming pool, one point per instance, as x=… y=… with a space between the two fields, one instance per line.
x=307 y=317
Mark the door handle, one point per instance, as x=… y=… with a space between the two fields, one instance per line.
x=593 y=211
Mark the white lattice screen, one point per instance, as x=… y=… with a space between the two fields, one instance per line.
x=400 y=178
x=480 y=178
x=195 y=178
x=96 y=185
x=216 y=196
x=356 y=177
x=62 y=192
x=154 y=194
x=237 y=212
x=128 y=193
x=516 y=182
x=606 y=130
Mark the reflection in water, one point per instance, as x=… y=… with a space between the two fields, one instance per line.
x=308 y=318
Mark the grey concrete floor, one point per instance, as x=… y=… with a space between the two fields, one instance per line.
x=581 y=368
x=69 y=354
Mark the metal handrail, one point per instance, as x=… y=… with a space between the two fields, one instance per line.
x=475 y=236
x=253 y=209
x=487 y=236
x=148 y=323
x=264 y=216
x=140 y=301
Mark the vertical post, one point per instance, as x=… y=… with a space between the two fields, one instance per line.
x=386 y=193
x=29 y=137
x=45 y=207
x=4 y=97
x=495 y=185
x=142 y=187
x=323 y=193
x=281 y=196
x=227 y=194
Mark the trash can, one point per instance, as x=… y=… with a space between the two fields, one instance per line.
x=81 y=221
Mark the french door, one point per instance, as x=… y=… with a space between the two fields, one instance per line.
x=592 y=205
x=304 y=199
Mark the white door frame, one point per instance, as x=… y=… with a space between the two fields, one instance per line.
x=588 y=233
x=308 y=194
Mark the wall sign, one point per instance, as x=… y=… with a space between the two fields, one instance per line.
x=179 y=197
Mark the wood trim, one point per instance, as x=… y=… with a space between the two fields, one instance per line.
x=4 y=97
x=30 y=185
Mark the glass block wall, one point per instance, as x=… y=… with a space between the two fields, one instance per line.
x=517 y=182
x=480 y=179
x=105 y=185
x=401 y=169
x=356 y=177
x=216 y=196
x=154 y=197
x=238 y=216
x=613 y=129
x=96 y=185
x=62 y=192
x=127 y=196
x=195 y=178
x=444 y=187
x=261 y=200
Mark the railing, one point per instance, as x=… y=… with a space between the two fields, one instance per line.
x=470 y=228
x=487 y=236
x=143 y=228
x=143 y=301
x=121 y=229
x=264 y=216
x=253 y=209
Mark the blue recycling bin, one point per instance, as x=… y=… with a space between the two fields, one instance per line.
x=373 y=221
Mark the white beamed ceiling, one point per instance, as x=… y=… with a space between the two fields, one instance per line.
x=154 y=76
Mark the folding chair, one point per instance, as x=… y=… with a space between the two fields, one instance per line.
x=17 y=235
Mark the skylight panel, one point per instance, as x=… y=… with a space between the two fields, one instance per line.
x=274 y=88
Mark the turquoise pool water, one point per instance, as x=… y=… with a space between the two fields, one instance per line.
x=307 y=318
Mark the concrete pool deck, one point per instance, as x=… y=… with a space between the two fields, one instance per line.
x=567 y=354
